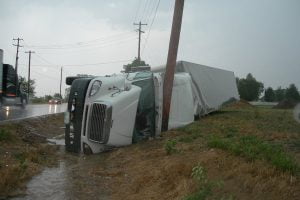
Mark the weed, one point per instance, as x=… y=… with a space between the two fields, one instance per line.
x=23 y=167
x=199 y=174
x=205 y=186
x=186 y=139
x=5 y=135
x=170 y=146
x=253 y=148
x=201 y=194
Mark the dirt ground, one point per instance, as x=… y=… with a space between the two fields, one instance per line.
x=146 y=170
x=24 y=151
x=163 y=168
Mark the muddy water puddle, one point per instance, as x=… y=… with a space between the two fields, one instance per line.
x=69 y=179
x=50 y=184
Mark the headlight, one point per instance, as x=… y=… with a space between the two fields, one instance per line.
x=95 y=88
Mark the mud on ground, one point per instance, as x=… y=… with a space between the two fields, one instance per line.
x=24 y=151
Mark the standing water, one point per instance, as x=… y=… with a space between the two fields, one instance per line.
x=50 y=184
x=70 y=179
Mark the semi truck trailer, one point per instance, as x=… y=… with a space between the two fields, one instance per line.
x=10 y=91
x=118 y=110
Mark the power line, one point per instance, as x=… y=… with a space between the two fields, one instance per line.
x=138 y=9
x=149 y=31
x=100 y=63
x=45 y=60
x=84 y=44
x=145 y=9
x=86 y=64
x=149 y=11
x=45 y=75
x=69 y=51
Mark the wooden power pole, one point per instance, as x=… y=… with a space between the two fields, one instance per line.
x=17 y=62
x=139 y=30
x=28 y=80
x=171 y=62
x=17 y=54
x=61 y=69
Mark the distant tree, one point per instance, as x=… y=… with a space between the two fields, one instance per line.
x=57 y=95
x=135 y=63
x=38 y=100
x=269 y=95
x=249 y=88
x=24 y=85
x=48 y=97
x=292 y=93
x=237 y=79
x=279 y=94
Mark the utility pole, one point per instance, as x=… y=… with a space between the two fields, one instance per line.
x=28 y=81
x=17 y=59
x=139 y=30
x=61 y=70
x=17 y=55
x=171 y=62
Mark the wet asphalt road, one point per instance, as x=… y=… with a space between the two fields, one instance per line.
x=16 y=112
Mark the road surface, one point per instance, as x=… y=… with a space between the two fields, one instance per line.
x=8 y=113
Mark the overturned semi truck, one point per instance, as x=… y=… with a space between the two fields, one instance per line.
x=121 y=109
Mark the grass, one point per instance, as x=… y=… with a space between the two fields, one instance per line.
x=202 y=194
x=5 y=135
x=254 y=148
x=252 y=133
x=21 y=159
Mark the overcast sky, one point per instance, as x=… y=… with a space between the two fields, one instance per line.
x=257 y=36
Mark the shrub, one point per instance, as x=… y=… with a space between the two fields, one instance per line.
x=170 y=147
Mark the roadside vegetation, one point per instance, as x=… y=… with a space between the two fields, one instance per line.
x=24 y=152
x=240 y=152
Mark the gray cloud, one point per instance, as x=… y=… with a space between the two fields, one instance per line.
x=259 y=36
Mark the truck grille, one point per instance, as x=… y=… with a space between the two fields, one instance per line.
x=99 y=123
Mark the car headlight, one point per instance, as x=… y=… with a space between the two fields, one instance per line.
x=95 y=88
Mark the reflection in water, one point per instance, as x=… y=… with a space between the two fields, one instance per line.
x=53 y=109
x=50 y=108
x=16 y=112
x=48 y=185
x=70 y=179
x=7 y=111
